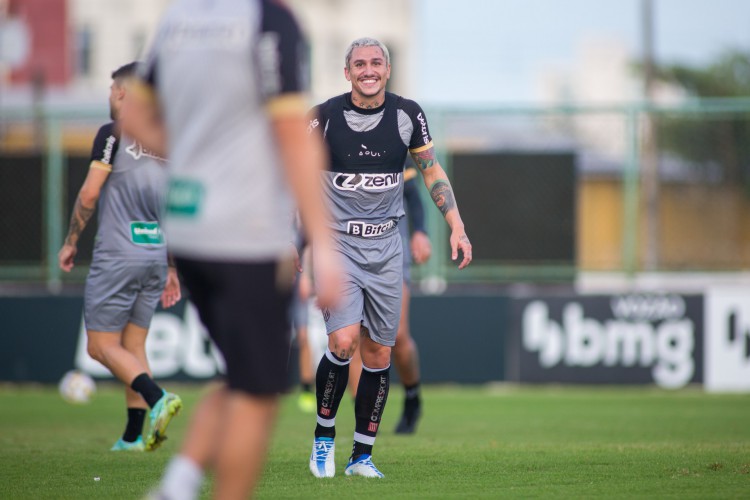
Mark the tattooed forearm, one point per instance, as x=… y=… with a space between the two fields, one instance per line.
x=442 y=195
x=78 y=221
x=424 y=159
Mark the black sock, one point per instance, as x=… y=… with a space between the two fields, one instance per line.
x=146 y=387
x=412 y=391
x=369 y=405
x=306 y=387
x=411 y=400
x=134 y=427
x=330 y=385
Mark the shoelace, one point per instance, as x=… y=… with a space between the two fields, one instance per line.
x=368 y=463
x=322 y=448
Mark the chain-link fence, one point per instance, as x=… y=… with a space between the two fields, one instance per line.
x=545 y=192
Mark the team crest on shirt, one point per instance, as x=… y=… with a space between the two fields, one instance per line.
x=366 y=182
x=137 y=152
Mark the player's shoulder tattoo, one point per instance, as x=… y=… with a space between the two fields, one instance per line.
x=424 y=157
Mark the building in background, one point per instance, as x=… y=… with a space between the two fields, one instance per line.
x=63 y=52
x=75 y=44
x=108 y=34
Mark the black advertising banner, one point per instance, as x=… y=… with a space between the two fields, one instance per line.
x=607 y=339
x=460 y=340
x=43 y=337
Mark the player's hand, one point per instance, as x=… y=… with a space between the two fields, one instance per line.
x=172 y=293
x=297 y=260
x=328 y=275
x=65 y=257
x=305 y=286
x=459 y=241
x=421 y=248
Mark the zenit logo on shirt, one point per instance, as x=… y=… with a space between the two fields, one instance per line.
x=366 y=182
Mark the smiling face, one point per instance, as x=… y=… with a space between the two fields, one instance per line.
x=368 y=72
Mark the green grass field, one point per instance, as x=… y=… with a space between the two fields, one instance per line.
x=474 y=442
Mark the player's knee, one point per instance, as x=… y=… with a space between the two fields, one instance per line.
x=377 y=358
x=95 y=350
x=345 y=347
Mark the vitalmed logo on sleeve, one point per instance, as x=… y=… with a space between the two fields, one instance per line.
x=366 y=182
x=423 y=128
x=108 y=148
x=636 y=338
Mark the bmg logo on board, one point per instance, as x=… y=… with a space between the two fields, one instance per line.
x=635 y=338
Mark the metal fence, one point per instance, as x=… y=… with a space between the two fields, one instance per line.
x=655 y=187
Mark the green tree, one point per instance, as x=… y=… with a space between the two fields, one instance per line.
x=721 y=139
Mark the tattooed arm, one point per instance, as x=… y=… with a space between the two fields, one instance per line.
x=441 y=193
x=82 y=211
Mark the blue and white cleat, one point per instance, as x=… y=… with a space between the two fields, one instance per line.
x=161 y=414
x=122 y=445
x=322 y=457
x=363 y=466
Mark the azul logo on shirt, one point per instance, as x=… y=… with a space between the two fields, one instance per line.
x=366 y=152
x=366 y=182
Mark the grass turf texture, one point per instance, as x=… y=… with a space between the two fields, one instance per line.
x=473 y=442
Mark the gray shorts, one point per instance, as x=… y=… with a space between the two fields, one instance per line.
x=373 y=276
x=120 y=292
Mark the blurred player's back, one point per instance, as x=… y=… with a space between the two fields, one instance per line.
x=216 y=121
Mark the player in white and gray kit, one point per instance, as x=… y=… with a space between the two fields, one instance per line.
x=368 y=132
x=230 y=81
x=128 y=272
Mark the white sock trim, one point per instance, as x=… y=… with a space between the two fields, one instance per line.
x=182 y=479
x=373 y=370
x=335 y=360
x=326 y=422
x=361 y=438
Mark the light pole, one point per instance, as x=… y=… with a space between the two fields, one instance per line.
x=650 y=152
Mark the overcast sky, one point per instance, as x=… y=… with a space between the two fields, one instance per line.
x=464 y=46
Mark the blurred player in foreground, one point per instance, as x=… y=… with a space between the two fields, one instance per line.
x=405 y=353
x=303 y=291
x=225 y=92
x=368 y=132
x=129 y=269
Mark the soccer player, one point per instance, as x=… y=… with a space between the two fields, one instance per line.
x=224 y=94
x=129 y=271
x=368 y=132
x=405 y=352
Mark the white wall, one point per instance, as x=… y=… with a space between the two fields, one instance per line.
x=119 y=31
x=331 y=25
